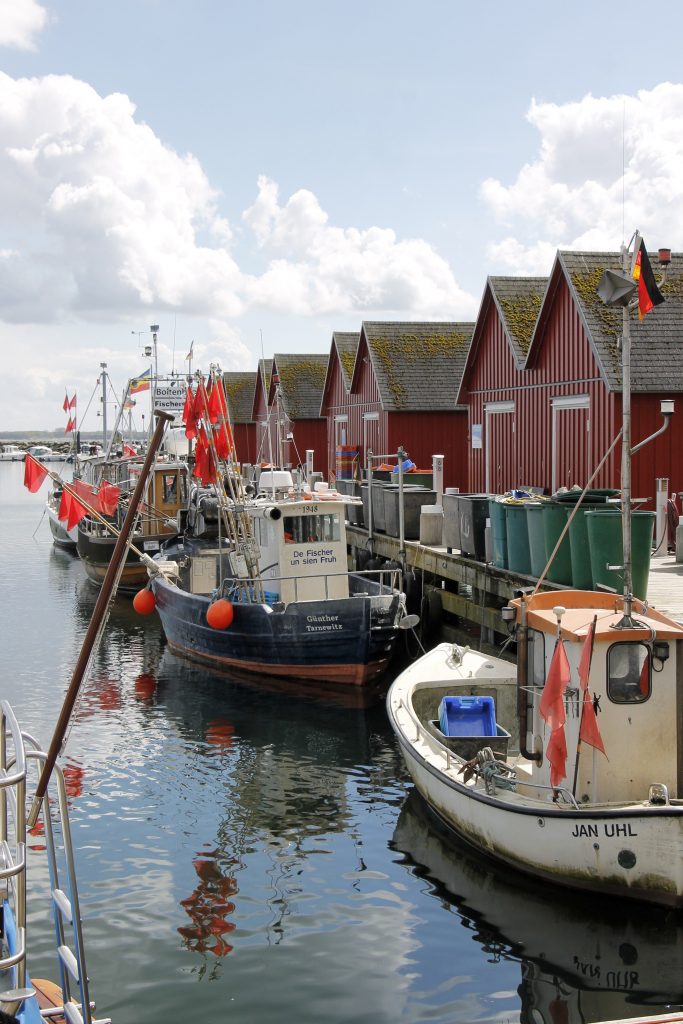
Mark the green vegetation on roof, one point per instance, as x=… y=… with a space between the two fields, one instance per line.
x=609 y=318
x=412 y=348
x=521 y=314
x=293 y=375
x=348 y=361
x=672 y=287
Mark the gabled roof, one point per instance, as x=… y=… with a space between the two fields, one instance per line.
x=656 y=340
x=262 y=382
x=302 y=379
x=239 y=392
x=346 y=343
x=417 y=366
x=518 y=301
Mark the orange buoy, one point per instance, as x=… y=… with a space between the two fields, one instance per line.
x=144 y=602
x=220 y=614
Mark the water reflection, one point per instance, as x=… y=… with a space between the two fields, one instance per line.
x=580 y=959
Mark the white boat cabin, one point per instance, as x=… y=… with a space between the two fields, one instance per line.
x=636 y=687
x=302 y=546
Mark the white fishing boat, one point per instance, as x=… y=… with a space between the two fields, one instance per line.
x=43 y=453
x=593 y=800
x=11 y=453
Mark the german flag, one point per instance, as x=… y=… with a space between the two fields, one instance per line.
x=649 y=294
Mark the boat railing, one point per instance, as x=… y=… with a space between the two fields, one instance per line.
x=17 y=750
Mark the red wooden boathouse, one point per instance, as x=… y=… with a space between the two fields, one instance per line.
x=289 y=422
x=403 y=391
x=543 y=381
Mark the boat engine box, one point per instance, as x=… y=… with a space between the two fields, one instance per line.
x=467 y=716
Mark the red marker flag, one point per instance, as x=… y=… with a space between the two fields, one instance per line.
x=76 y=512
x=71 y=426
x=65 y=406
x=551 y=707
x=189 y=418
x=217 y=405
x=34 y=473
x=72 y=403
x=108 y=498
x=557 y=756
x=552 y=710
x=589 y=731
x=64 y=506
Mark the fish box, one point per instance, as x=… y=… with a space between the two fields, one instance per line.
x=467 y=716
x=468 y=747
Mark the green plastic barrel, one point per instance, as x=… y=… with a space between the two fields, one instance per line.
x=519 y=557
x=498 y=533
x=554 y=522
x=582 y=573
x=534 y=522
x=606 y=546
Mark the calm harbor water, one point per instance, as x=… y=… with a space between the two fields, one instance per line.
x=256 y=856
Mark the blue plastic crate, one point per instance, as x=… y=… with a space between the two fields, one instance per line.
x=467 y=716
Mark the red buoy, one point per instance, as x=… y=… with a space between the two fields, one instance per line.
x=144 y=602
x=220 y=614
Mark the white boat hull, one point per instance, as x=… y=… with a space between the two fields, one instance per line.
x=632 y=850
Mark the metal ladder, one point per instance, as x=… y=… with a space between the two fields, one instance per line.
x=76 y=1007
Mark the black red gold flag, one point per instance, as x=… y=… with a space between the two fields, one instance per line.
x=649 y=294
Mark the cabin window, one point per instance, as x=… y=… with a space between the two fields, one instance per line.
x=311 y=529
x=170 y=488
x=628 y=673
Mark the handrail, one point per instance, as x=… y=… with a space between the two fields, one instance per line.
x=385 y=588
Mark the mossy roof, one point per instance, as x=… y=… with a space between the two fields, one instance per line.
x=302 y=380
x=418 y=366
x=656 y=340
x=346 y=343
x=239 y=392
x=518 y=301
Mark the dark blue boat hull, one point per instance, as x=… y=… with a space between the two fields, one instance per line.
x=348 y=641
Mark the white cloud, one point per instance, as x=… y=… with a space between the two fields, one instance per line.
x=20 y=22
x=602 y=162
x=316 y=268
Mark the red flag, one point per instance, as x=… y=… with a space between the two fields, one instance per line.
x=551 y=707
x=72 y=403
x=65 y=406
x=188 y=416
x=128 y=452
x=589 y=731
x=557 y=756
x=217 y=405
x=71 y=425
x=76 y=512
x=199 y=404
x=34 y=473
x=85 y=491
x=64 y=506
x=108 y=498
x=223 y=441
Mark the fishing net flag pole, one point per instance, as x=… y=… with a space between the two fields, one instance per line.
x=98 y=614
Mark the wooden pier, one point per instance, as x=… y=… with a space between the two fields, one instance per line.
x=476 y=591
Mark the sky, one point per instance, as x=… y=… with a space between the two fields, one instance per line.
x=253 y=177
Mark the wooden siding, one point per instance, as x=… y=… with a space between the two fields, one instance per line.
x=520 y=448
x=424 y=434
x=244 y=435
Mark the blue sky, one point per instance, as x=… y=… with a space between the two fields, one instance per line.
x=254 y=177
